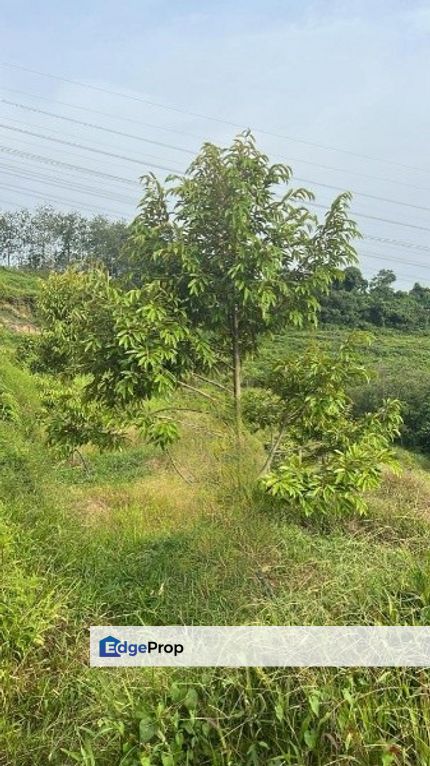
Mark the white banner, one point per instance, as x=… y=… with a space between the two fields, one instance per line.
x=257 y=646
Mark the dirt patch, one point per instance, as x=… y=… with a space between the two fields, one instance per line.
x=22 y=328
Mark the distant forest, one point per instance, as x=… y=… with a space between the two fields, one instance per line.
x=357 y=302
x=48 y=240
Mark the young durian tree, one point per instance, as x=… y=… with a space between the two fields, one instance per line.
x=238 y=248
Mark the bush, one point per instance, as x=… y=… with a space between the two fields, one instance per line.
x=412 y=388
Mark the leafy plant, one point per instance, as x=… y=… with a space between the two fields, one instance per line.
x=322 y=459
x=72 y=420
x=8 y=405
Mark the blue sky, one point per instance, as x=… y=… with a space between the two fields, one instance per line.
x=353 y=76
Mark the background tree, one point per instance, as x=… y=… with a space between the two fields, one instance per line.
x=104 y=241
x=383 y=282
x=8 y=238
x=46 y=239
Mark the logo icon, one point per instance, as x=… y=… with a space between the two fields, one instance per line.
x=108 y=647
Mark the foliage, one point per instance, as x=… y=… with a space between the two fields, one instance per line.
x=240 y=258
x=324 y=457
x=8 y=404
x=72 y=420
x=355 y=302
x=133 y=344
x=412 y=388
x=215 y=259
x=229 y=243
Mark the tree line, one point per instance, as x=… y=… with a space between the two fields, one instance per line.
x=354 y=301
x=46 y=239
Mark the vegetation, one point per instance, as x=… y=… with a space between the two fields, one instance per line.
x=47 y=239
x=397 y=363
x=356 y=302
x=130 y=542
x=122 y=428
x=225 y=263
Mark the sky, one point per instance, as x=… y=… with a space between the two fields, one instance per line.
x=338 y=90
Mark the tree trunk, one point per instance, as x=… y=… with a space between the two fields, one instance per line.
x=237 y=383
x=272 y=452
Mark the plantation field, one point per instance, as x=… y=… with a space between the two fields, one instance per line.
x=387 y=350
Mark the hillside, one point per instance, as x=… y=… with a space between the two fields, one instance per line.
x=128 y=541
x=18 y=292
x=388 y=350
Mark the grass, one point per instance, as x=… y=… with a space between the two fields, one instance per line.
x=131 y=542
x=18 y=293
x=15 y=285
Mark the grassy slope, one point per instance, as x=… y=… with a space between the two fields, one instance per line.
x=131 y=542
x=18 y=291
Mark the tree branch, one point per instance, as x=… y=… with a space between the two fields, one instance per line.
x=198 y=391
x=275 y=446
x=176 y=409
x=272 y=452
x=212 y=383
x=175 y=468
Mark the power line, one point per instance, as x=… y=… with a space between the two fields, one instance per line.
x=398 y=243
x=141 y=123
x=125 y=180
x=191 y=152
x=73 y=203
x=87 y=148
x=173 y=170
x=358 y=214
x=219 y=120
x=67 y=166
x=385 y=240
x=87 y=109
x=390 y=258
x=76 y=186
x=98 y=127
x=363 y=194
x=44 y=128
